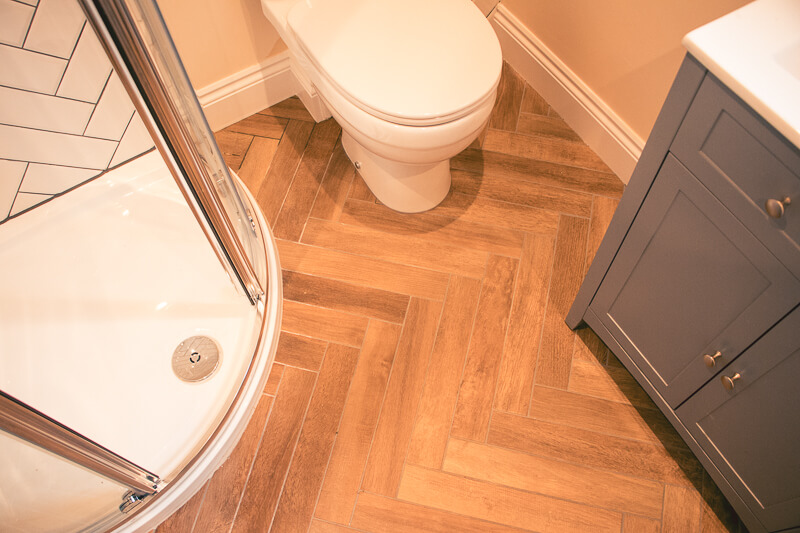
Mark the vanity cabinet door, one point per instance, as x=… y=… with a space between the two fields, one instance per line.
x=689 y=280
x=751 y=432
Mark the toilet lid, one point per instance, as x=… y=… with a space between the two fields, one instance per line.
x=406 y=61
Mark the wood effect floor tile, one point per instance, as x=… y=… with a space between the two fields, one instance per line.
x=274 y=379
x=717 y=514
x=360 y=191
x=289 y=108
x=434 y=228
x=274 y=455
x=475 y=396
x=496 y=213
x=609 y=383
x=335 y=185
x=346 y=297
x=602 y=211
x=595 y=414
x=501 y=504
x=360 y=417
x=640 y=524
x=554 y=478
x=184 y=519
x=522 y=192
x=599 y=450
x=495 y=164
x=544 y=148
x=284 y=164
x=509 y=99
x=385 y=515
x=545 y=126
x=303 y=352
x=233 y=147
x=386 y=457
x=533 y=102
x=323 y=324
x=303 y=189
x=555 y=354
x=260 y=125
x=403 y=249
x=364 y=271
x=681 y=510
x=521 y=350
x=299 y=496
x=226 y=486
x=435 y=412
x=256 y=163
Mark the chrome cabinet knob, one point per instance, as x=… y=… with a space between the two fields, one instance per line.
x=730 y=382
x=775 y=208
x=711 y=360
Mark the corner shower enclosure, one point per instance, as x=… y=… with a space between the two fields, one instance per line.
x=141 y=292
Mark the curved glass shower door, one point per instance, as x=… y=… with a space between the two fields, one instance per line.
x=134 y=288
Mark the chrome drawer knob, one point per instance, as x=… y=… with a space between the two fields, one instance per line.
x=711 y=360
x=730 y=382
x=775 y=208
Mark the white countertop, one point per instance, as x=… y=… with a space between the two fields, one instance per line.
x=755 y=51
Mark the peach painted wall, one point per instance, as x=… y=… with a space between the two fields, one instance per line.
x=626 y=51
x=218 y=38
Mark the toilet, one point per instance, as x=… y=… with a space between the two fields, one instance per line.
x=411 y=82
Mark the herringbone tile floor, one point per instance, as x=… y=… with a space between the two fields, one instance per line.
x=425 y=379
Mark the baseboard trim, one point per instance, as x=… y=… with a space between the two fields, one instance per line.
x=248 y=91
x=594 y=120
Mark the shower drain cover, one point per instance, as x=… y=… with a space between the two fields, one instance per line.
x=196 y=358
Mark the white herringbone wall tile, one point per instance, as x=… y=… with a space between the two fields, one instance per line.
x=65 y=117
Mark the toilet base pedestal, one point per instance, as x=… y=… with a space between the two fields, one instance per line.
x=404 y=187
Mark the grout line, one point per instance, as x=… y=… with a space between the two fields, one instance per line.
x=30 y=25
x=97 y=104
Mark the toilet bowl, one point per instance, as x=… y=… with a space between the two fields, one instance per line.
x=411 y=83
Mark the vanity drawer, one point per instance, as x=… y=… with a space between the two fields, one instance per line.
x=745 y=163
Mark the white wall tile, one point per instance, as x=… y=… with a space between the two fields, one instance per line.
x=11 y=173
x=15 y=18
x=26 y=200
x=136 y=141
x=113 y=112
x=55 y=28
x=53 y=179
x=43 y=112
x=88 y=69
x=30 y=71
x=54 y=148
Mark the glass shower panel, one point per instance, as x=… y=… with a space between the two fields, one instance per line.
x=37 y=481
x=107 y=271
x=163 y=80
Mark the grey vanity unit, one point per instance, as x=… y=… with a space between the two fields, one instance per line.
x=696 y=287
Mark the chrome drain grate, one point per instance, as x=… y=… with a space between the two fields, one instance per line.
x=196 y=358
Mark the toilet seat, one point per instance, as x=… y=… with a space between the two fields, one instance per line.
x=448 y=70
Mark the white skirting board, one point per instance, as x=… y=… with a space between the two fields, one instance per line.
x=248 y=91
x=591 y=118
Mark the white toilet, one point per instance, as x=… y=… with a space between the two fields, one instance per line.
x=411 y=83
